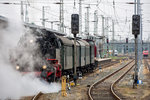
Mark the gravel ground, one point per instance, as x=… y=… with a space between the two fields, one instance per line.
x=125 y=87
x=80 y=91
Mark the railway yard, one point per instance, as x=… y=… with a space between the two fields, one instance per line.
x=114 y=82
x=74 y=50
x=87 y=78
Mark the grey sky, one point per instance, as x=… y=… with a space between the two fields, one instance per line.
x=121 y=13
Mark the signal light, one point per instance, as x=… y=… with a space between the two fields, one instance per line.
x=136 y=24
x=107 y=40
x=126 y=47
x=75 y=23
x=126 y=40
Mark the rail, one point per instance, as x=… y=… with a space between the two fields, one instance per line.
x=36 y=97
x=98 y=82
x=113 y=85
x=147 y=64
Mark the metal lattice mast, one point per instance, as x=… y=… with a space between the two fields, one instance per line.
x=43 y=16
x=103 y=31
x=85 y=23
x=80 y=17
x=113 y=34
x=107 y=26
x=95 y=23
x=26 y=14
x=22 y=12
x=61 y=17
x=62 y=8
x=87 y=20
x=103 y=34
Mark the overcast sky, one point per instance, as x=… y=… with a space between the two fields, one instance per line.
x=121 y=13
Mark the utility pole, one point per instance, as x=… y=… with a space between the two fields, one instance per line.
x=61 y=16
x=103 y=35
x=52 y=25
x=65 y=29
x=138 y=42
x=135 y=8
x=87 y=20
x=106 y=23
x=113 y=30
x=107 y=26
x=26 y=14
x=58 y=25
x=80 y=17
x=136 y=31
x=85 y=23
x=140 y=36
x=113 y=34
x=141 y=33
x=70 y=31
x=22 y=12
x=43 y=16
x=52 y=22
x=95 y=22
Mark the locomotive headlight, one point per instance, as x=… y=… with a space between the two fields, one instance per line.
x=44 y=67
x=31 y=41
x=17 y=67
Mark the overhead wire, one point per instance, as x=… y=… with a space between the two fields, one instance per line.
x=116 y=17
x=45 y=11
x=100 y=2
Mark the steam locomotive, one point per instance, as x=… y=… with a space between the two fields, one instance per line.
x=57 y=54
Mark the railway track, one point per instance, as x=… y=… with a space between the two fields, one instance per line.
x=37 y=96
x=104 y=88
x=105 y=65
x=108 y=64
x=147 y=64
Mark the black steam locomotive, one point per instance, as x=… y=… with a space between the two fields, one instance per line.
x=57 y=51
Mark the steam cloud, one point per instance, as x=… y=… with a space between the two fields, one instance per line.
x=12 y=84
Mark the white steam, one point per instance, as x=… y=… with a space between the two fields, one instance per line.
x=12 y=84
x=27 y=53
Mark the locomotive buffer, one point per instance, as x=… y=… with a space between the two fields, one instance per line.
x=75 y=31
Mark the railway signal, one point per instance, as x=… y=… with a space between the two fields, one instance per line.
x=136 y=25
x=107 y=41
x=127 y=45
x=75 y=31
x=136 y=32
x=75 y=23
x=126 y=40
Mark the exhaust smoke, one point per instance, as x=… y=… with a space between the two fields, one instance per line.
x=14 y=85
